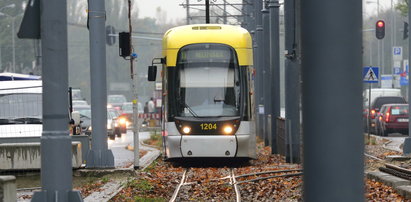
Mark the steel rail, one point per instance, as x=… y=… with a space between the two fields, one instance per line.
x=373 y=157
x=269 y=172
x=234 y=183
x=275 y=176
x=183 y=179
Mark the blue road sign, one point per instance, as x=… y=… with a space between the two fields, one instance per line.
x=370 y=74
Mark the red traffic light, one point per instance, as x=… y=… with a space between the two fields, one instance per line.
x=380 y=29
x=380 y=23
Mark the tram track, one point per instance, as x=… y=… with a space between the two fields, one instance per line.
x=396 y=171
x=233 y=180
x=185 y=181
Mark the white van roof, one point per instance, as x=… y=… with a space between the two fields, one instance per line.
x=27 y=86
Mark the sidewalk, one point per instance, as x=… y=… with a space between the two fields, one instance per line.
x=113 y=186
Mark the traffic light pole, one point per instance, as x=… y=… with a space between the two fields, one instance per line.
x=135 y=100
x=292 y=85
x=258 y=64
x=266 y=74
x=56 y=148
x=274 y=7
x=99 y=156
x=332 y=100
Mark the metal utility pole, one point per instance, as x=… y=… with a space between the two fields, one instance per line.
x=188 y=12
x=274 y=7
x=225 y=12
x=292 y=84
x=207 y=10
x=407 y=141
x=333 y=140
x=99 y=156
x=266 y=72
x=135 y=100
x=258 y=64
x=56 y=148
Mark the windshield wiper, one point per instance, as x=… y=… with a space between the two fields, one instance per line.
x=189 y=108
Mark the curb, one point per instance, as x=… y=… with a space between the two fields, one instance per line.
x=109 y=190
x=402 y=186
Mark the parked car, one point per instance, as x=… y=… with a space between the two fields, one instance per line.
x=376 y=106
x=85 y=117
x=116 y=101
x=394 y=119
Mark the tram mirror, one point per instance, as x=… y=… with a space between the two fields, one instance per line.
x=152 y=73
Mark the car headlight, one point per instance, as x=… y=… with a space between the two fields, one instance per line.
x=122 y=121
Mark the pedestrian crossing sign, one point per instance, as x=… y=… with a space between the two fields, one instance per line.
x=370 y=74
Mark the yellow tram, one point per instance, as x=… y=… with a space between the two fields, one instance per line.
x=207 y=78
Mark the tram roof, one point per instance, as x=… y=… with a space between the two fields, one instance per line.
x=235 y=36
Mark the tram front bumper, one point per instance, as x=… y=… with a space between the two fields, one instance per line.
x=210 y=146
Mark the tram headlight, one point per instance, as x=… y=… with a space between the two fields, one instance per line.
x=228 y=130
x=186 y=129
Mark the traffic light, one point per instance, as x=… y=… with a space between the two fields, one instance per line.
x=405 y=36
x=124 y=44
x=380 y=29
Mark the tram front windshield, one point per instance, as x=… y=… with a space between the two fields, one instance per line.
x=209 y=83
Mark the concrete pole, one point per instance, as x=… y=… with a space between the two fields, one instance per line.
x=407 y=141
x=292 y=85
x=1 y=62
x=274 y=6
x=99 y=156
x=332 y=100
x=266 y=72
x=56 y=156
x=258 y=65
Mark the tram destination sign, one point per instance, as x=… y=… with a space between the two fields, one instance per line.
x=202 y=54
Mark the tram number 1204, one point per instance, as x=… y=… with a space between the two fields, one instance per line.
x=208 y=126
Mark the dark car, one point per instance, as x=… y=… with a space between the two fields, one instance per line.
x=394 y=118
x=116 y=101
x=376 y=106
x=120 y=123
x=378 y=119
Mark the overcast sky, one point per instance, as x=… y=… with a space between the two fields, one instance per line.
x=147 y=8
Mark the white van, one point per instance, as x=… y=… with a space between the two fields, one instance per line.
x=21 y=108
x=378 y=92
